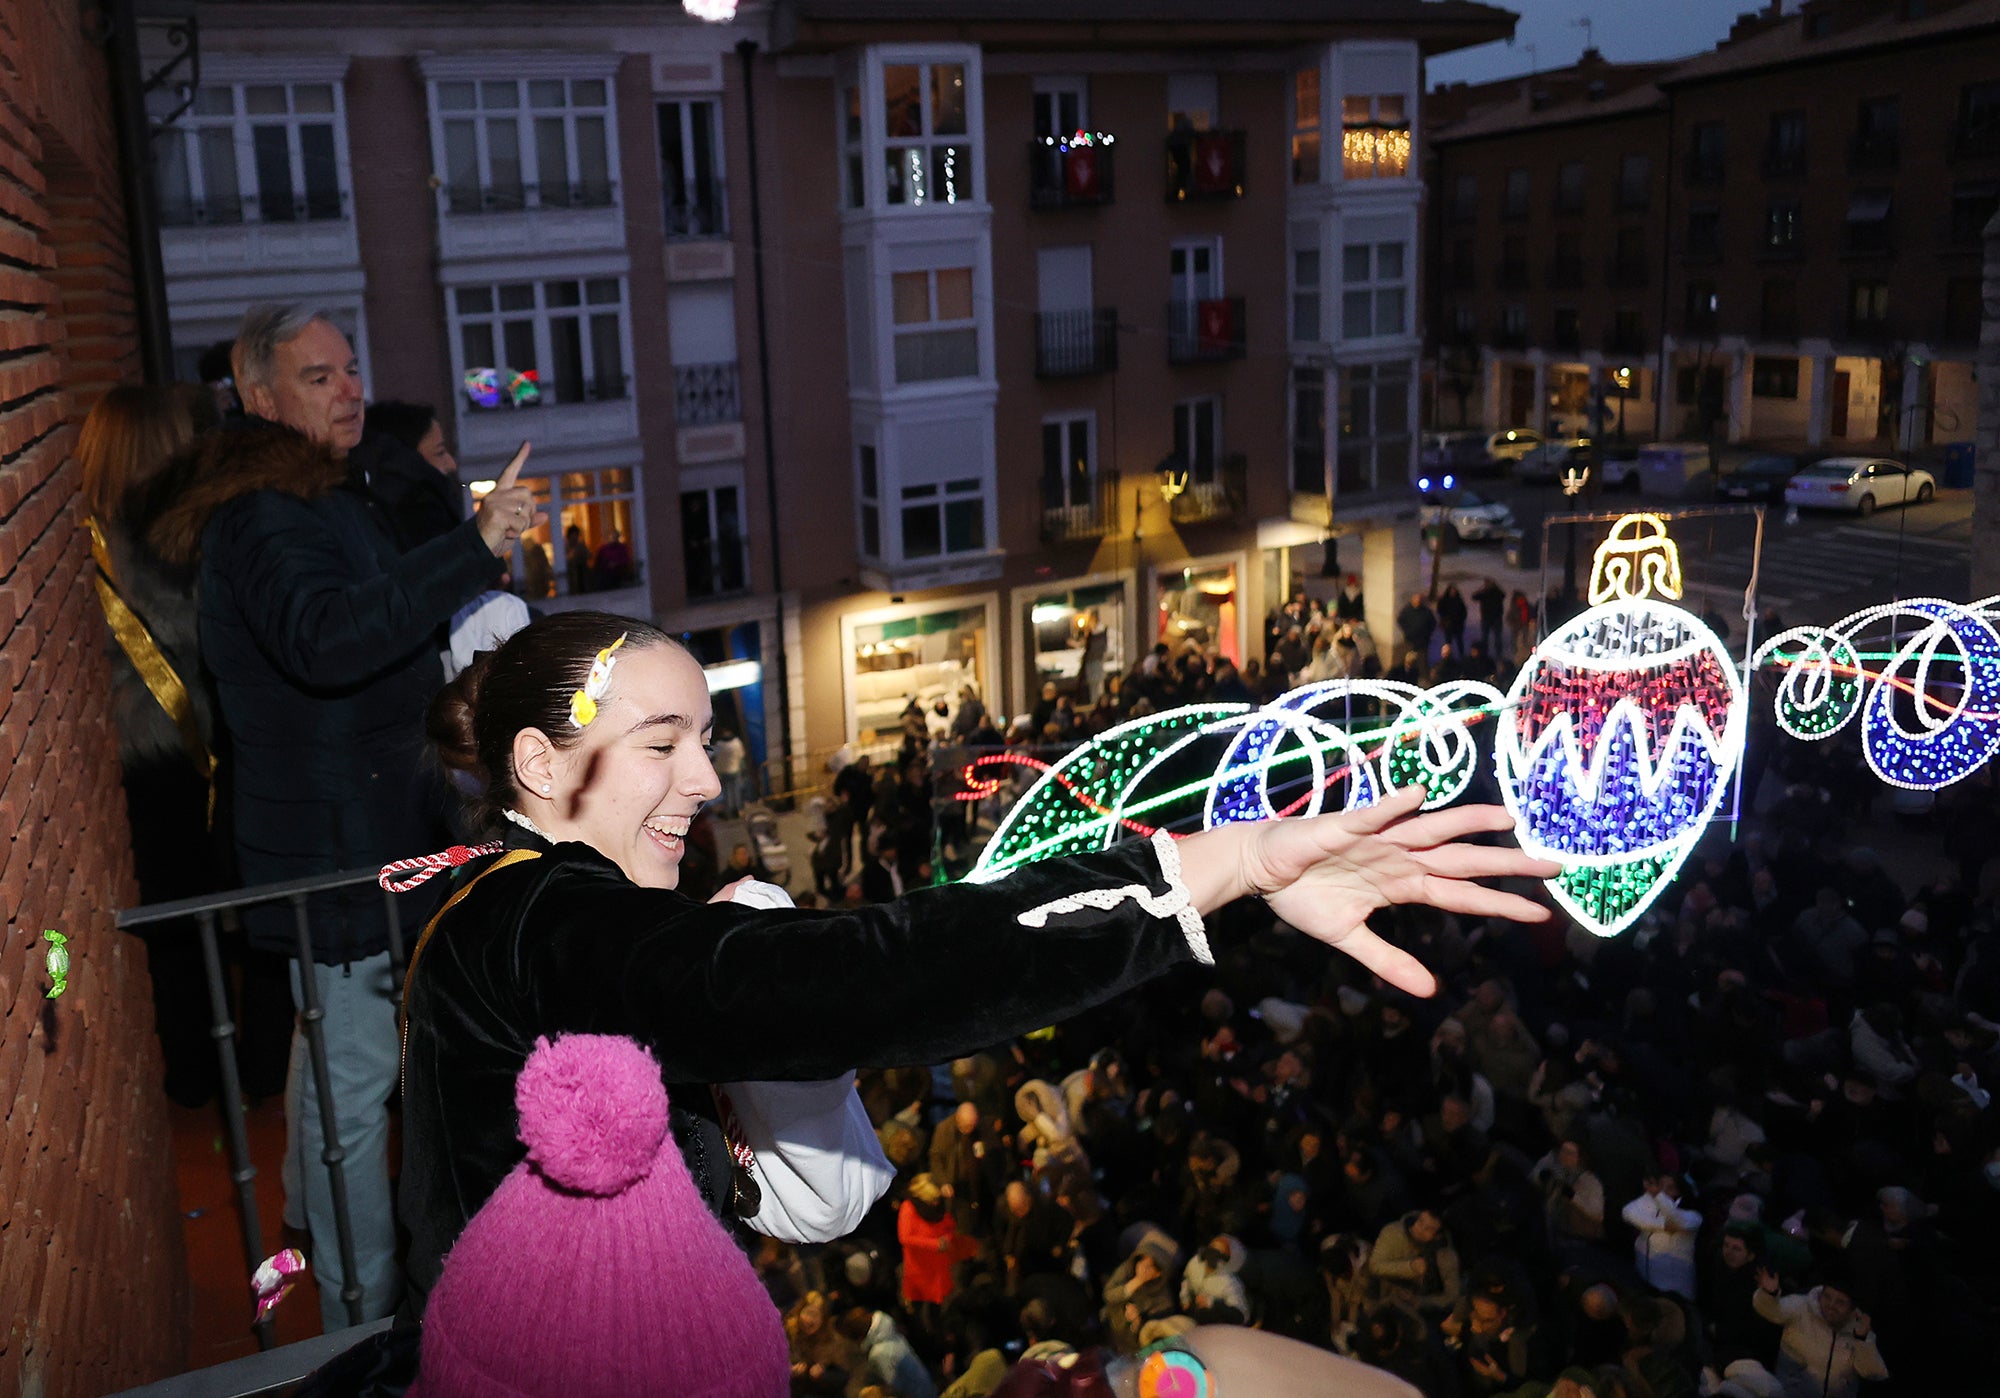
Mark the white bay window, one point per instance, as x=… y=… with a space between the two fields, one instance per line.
x=507 y=143
x=252 y=152
x=569 y=334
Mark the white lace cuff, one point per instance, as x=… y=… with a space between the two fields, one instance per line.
x=1176 y=902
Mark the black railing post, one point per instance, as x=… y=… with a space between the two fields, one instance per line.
x=332 y=1154
x=241 y=1170
x=395 y=928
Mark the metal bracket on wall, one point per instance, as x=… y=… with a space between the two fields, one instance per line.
x=184 y=37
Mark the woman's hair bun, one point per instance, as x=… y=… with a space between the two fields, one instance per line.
x=452 y=722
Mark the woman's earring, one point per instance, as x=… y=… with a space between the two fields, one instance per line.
x=546 y=788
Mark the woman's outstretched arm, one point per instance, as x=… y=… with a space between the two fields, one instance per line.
x=731 y=992
x=1325 y=875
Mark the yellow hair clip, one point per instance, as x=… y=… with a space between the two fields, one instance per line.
x=583 y=703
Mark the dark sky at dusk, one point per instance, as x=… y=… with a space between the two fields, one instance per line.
x=1624 y=31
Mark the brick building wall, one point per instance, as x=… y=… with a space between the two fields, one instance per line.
x=395 y=217
x=90 y=1264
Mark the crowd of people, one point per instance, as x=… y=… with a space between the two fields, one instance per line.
x=1748 y=1148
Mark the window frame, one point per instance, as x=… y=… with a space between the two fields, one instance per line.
x=542 y=316
x=242 y=124
x=522 y=74
x=1374 y=288
x=710 y=483
x=934 y=324
x=1385 y=157
x=1187 y=428
x=872 y=144
x=1066 y=423
x=718 y=180
x=552 y=498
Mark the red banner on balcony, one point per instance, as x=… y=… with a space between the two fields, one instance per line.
x=1214 y=165
x=1080 y=174
x=1215 y=324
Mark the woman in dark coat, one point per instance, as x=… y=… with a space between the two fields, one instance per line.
x=587 y=732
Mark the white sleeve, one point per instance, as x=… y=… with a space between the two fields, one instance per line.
x=819 y=1165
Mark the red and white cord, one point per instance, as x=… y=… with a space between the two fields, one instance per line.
x=425 y=865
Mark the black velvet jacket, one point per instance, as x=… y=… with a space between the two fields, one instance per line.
x=723 y=993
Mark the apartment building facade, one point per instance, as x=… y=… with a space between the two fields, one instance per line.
x=1076 y=328
x=1800 y=265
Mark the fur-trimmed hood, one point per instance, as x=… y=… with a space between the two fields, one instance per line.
x=177 y=504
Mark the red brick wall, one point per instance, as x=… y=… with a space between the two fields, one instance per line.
x=90 y=1244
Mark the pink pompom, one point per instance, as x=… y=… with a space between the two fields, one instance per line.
x=593 y=1111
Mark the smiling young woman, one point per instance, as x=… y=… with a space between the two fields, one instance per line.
x=577 y=928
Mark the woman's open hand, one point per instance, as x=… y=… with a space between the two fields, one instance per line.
x=1326 y=874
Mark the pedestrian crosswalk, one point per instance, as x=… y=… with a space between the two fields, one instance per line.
x=1801 y=572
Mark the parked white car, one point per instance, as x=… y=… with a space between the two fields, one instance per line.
x=1862 y=484
x=1466 y=516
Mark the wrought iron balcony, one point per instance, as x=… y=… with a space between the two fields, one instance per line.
x=520 y=195
x=1214 y=493
x=1071 y=174
x=707 y=393
x=1072 y=343
x=1205 y=331
x=1079 y=510
x=698 y=213
x=1205 y=165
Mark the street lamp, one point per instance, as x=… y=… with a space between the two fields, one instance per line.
x=1622 y=376
x=1575 y=476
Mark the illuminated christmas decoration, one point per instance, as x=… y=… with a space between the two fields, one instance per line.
x=714 y=11
x=1622 y=733
x=1930 y=716
x=1614 y=748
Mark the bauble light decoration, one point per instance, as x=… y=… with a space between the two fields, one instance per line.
x=1614 y=748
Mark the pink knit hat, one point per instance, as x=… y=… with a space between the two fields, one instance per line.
x=595 y=1268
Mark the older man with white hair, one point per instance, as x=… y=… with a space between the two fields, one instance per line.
x=320 y=635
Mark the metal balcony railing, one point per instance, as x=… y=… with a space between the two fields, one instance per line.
x=1072 y=343
x=1079 y=510
x=1212 y=492
x=717 y=567
x=324 y=207
x=1205 y=331
x=196 y=213
x=206 y=912
x=699 y=213
x=523 y=195
x=707 y=393
x=1071 y=177
x=1205 y=165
